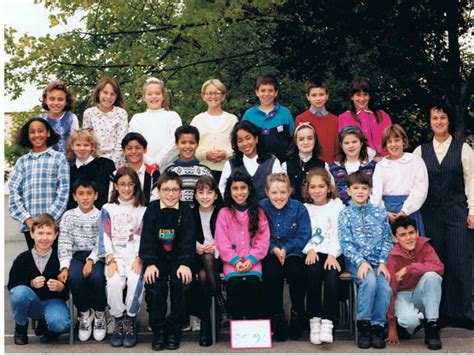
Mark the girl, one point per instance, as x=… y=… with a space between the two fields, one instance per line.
x=290 y=230
x=250 y=158
x=59 y=102
x=215 y=126
x=242 y=239
x=355 y=156
x=362 y=113
x=303 y=155
x=84 y=161
x=120 y=228
x=39 y=181
x=108 y=120
x=400 y=179
x=157 y=124
x=322 y=253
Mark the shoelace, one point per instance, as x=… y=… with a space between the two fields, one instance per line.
x=83 y=323
x=128 y=327
x=100 y=323
x=118 y=329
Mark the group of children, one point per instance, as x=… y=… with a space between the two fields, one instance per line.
x=279 y=199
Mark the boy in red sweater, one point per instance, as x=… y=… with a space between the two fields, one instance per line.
x=325 y=123
x=415 y=278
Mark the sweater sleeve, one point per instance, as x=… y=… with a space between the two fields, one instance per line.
x=149 y=240
x=391 y=266
x=223 y=238
x=104 y=242
x=169 y=145
x=65 y=242
x=62 y=189
x=377 y=190
x=345 y=239
x=16 y=203
x=419 y=188
x=18 y=273
x=261 y=240
x=387 y=243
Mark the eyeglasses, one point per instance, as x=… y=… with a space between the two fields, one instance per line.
x=167 y=190
x=123 y=185
x=217 y=93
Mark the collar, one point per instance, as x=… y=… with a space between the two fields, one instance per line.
x=447 y=142
x=153 y=111
x=44 y=256
x=79 y=212
x=276 y=107
x=366 y=111
x=317 y=112
x=246 y=158
x=399 y=251
x=49 y=151
x=88 y=160
x=163 y=206
x=180 y=162
x=406 y=158
x=305 y=159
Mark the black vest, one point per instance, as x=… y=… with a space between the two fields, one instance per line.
x=297 y=171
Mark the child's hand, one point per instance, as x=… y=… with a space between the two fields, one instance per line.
x=400 y=273
x=383 y=270
x=29 y=223
x=55 y=285
x=239 y=266
x=280 y=254
x=184 y=274
x=311 y=258
x=246 y=266
x=137 y=265
x=363 y=270
x=331 y=262
x=209 y=249
x=151 y=274
x=392 y=216
x=112 y=268
x=38 y=282
x=87 y=269
x=392 y=335
x=63 y=275
x=470 y=221
x=200 y=249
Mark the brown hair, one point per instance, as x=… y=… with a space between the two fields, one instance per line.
x=139 y=199
x=394 y=131
x=359 y=177
x=361 y=84
x=166 y=97
x=44 y=219
x=101 y=85
x=316 y=83
x=323 y=174
x=86 y=135
x=58 y=85
x=266 y=80
x=356 y=131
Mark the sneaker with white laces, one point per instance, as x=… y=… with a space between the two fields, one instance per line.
x=85 y=325
x=326 y=331
x=315 y=330
x=100 y=326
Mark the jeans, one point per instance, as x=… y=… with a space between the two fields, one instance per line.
x=373 y=297
x=25 y=303
x=425 y=298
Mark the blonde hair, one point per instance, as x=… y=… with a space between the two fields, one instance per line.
x=215 y=82
x=323 y=174
x=161 y=84
x=394 y=131
x=86 y=135
x=278 y=177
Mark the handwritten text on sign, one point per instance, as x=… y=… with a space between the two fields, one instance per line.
x=245 y=334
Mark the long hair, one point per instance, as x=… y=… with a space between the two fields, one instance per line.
x=139 y=199
x=356 y=131
x=249 y=127
x=361 y=84
x=23 y=139
x=60 y=86
x=294 y=147
x=101 y=85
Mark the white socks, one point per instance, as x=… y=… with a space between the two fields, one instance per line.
x=320 y=331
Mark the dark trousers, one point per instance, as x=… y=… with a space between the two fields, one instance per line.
x=90 y=292
x=273 y=278
x=243 y=297
x=453 y=242
x=318 y=305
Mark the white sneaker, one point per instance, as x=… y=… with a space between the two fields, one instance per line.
x=85 y=325
x=315 y=330
x=100 y=326
x=326 y=331
x=195 y=324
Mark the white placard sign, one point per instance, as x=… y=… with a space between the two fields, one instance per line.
x=250 y=334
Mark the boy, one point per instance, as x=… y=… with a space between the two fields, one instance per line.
x=366 y=240
x=79 y=263
x=187 y=166
x=275 y=121
x=415 y=278
x=325 y=123
x=34 y=290
x=167 y=248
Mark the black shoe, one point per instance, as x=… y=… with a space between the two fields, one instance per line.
x=159 y=340
x=116 y=339
x=279 y=327
x=377 y=339
x=363 y=334
x=41 y=327
x=49 y=336
x=295 y=330
x=402 y=333
x=432 y=340
x=463 y=323
x=21 y=334
x=205 y=333
x=173 y=341
x=129 y=332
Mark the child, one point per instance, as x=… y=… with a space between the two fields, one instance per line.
x=275 y=122
x=322 y=254
x=58 y=100
x=250 y=158
x=157 y=124
x=214 y=126
x=363 y=114
x=167 y=250
x=415 y=278
x=187 y=166
x=108 y=120
x=242 y=239
x=365 y=238
x=120 y=228
x=400 y=179
x=355 y=156
x=324 y=122
x=290 y=230
x=302 y=156
x=79 y=263
x=39 y=182
x=84 y=161
x=34 y=290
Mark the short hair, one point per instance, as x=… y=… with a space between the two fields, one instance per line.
x=323 y=174
x=442 y=106
x=402 y=221
x=58 y=85
x=23 y=139
x=44 y=219
x=265 y=79
x=169 y=176
x=278 y=177
x=394 y=131
x=161 y=84
x=359 y=177
x=84 y=134
x=215 y=82
x=101 y=85
x=186 y=129
x=316 y=83
x=83 y=181
x=139 y=199
x=134 y=136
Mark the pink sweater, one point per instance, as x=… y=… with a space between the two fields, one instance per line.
x=368 y=124
x=234 y=243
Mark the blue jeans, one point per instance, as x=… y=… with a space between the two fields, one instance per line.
x=373 y=297
x=25 y=303
x=425 y=298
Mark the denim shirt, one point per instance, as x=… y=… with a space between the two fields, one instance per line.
x=290 y=226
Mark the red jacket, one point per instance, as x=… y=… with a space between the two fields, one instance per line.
x=426 y=260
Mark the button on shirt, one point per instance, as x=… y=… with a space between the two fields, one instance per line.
x=41 y=259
